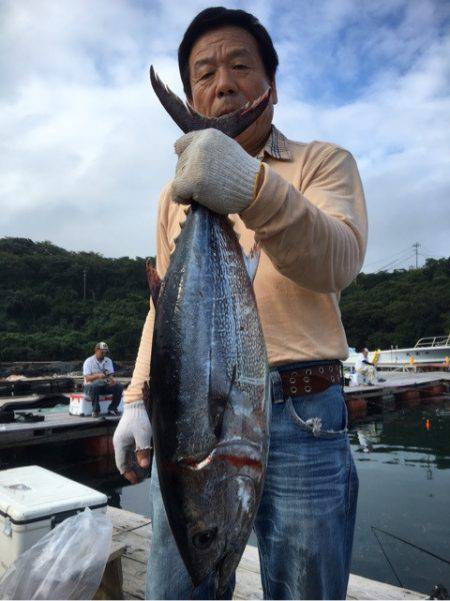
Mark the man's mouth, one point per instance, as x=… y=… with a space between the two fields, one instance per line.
x=227 y=111
x=231 y=109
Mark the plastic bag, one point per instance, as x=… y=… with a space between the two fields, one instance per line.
x=67 y=563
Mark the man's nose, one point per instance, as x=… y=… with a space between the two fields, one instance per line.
x=226 y=86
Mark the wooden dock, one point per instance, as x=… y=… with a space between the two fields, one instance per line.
x=134 y=531
x=56 y=427
x=397 y=382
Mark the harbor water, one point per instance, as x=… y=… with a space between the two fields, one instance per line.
x=403 y=521
x=403 y=462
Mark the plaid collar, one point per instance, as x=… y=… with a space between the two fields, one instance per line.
x=277 y=146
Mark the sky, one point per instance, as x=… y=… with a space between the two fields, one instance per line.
x=85 y=147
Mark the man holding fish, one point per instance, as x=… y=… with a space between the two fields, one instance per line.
x=303 y=204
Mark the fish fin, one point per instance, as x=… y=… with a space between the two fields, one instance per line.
x=154 y=282
x=188 y=119
x=218 y=393
x=235 y=394
x=222 y=395
x=252 y=260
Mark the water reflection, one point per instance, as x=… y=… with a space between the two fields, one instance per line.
x=403 y=461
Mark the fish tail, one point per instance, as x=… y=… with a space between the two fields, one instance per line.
x=252 y=260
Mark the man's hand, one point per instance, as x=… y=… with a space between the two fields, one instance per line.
x=215 y=171
x=132 y=435
x=93 y=377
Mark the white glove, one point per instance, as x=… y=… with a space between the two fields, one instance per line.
x=132 y=434
x=214 y=170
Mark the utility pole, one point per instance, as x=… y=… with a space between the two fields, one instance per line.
x=416 y=247
x=84 y=284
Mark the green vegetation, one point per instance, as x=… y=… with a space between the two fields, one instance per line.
x=384 y=309
x=44 y=315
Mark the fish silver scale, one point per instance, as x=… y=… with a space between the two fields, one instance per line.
x=210 y=396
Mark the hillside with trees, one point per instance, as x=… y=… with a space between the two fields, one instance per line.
x=55 y=304
x=383 y=309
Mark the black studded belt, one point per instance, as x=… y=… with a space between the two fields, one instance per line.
x=311 y=380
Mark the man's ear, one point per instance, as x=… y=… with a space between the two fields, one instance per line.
x=274 y=94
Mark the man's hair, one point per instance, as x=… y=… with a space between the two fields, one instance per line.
x=218 y=16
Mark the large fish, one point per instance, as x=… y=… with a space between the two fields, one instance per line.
x=209 y=383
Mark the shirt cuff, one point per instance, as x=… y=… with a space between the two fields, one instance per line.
x=271 y=197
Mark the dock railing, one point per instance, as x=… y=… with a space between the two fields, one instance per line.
x=431 y=341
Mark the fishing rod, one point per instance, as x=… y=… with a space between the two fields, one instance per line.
x=386 y=557
x=438 y=590
x=410 y=544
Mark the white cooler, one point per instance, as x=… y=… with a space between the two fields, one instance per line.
x=81 y=405
x=34 y=500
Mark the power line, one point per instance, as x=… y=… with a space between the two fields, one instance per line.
x=402 y=256
x=401 y=252
x=416 y=247
x=431 y=252
x=392 y=263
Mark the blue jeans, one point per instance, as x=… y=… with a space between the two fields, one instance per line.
x=306 y=519
x=94 y=389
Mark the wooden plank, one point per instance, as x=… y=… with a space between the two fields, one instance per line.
x=364 y=588
x=136 y=547
x=248 y=585
x=9 y=440
x=59 y=420
x=117 y=549
x=55 y=428
x=125 y=520
x=111 y=585
x=134 y=531
x=24 y=400
x=133 y=579
x=395 y=381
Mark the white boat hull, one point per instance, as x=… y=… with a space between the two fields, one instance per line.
x=406 y=356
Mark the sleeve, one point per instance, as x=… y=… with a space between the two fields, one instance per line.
x=141 y=372
x=111 y=366
x=316 y=238
x=87 y=368
x=358 y=363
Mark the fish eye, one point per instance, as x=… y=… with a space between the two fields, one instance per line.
x=203 y=540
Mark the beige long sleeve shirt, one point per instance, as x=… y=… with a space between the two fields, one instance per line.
x=310 y=219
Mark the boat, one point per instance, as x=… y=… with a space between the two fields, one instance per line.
x=429 y=351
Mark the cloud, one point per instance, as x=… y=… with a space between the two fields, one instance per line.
x=86 y=148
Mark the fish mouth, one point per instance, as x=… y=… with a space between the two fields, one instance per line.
x=236 y=452
x=224 y=570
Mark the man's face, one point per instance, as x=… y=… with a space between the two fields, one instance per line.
x=366 y=352
x=226 y=71
x=100 y=353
